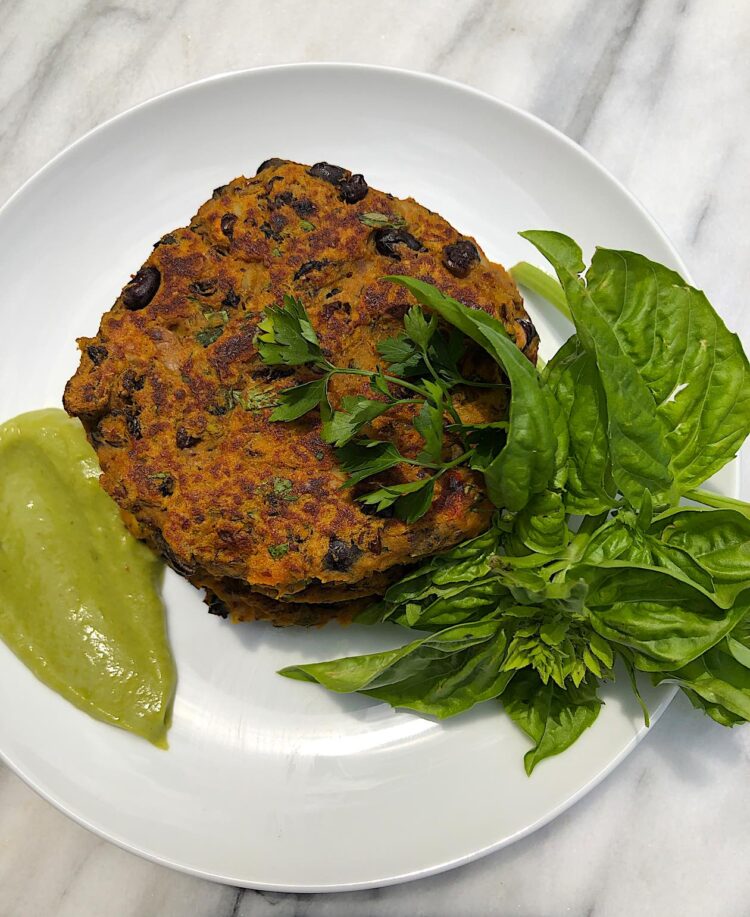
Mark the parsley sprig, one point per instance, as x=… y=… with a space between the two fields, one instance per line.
x=423 y=371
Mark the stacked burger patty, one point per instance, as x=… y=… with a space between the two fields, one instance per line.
x=176 y=400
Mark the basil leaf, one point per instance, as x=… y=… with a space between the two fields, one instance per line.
x=551 y=717
x=644 y=324
x=299 y=400
x=457 y=603
x=462 y=564
x=529 y=588
x=627 y=658
x=441 y=674
x=541 y=526
x=717 y=540
x=449 y=588
x=560 y=429
x=454 y=684
x=636 y=432
x=664 y=620
x=486 y=439
x=717 y=683
x=526 y=464
x=707 y=548
x=716 y=711
x=358 y=673
x=695 y=368
x=622 y=542
x=574 y=380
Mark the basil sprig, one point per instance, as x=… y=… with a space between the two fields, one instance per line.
x=592 y=557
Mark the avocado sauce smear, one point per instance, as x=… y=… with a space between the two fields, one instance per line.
x=79 y=599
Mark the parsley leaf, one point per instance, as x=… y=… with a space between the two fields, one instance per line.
x=486 y=439
x=429 y=423
x=404 y=358
x=418 y=328
x=379 y=384
x=357 y=412
x=362 y=459
x=410 y=501
x=286 y=336
x=299 y=400
x=445 y=352
x=424 y=359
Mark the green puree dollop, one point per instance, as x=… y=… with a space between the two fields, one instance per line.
x=79 y=600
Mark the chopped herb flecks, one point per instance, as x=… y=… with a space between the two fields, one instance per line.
x=209 y=335
x=278 y=550
x=379 y=220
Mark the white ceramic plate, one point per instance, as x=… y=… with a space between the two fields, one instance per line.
x=271 y=783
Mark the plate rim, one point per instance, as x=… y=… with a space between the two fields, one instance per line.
x=670 y=691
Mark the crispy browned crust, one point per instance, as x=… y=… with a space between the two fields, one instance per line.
x=240 y=602
x=195 y=473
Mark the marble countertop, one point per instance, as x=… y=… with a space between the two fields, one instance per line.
x=657 y=90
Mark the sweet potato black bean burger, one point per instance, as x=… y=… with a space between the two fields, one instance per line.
x=180 y=392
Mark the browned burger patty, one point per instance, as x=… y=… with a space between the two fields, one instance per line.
x=176 y=401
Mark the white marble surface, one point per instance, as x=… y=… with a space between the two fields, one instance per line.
x=658 y=91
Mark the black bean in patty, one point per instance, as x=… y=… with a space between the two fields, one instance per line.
x=387 y=238
x=341 y=555
x=227 y=224
x=142 y=288
x=270 y=164
x=459 y=257
x=529 y=330
x=203 y=287
x=334 y=175
x=354 y=189
x=231 y=300
x=308 y=267
x=184 y=440
x=133 y=424
x=216 y=606
x=97 y=354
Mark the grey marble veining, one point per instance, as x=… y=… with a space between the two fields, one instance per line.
x=655 y=89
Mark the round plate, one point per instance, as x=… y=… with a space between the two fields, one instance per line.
x=271 y=783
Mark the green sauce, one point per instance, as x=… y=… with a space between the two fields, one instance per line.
x=79 y=600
